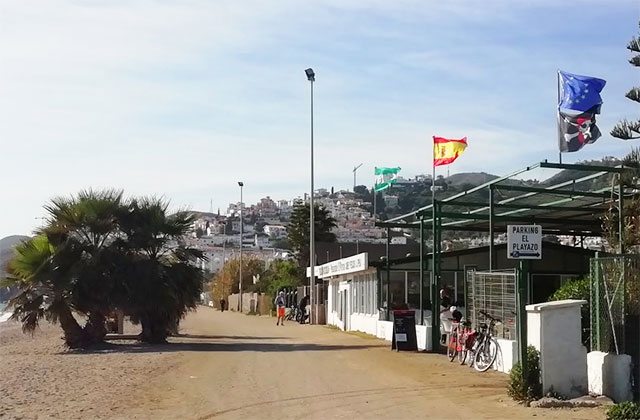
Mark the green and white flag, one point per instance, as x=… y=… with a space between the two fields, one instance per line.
x=385 y=177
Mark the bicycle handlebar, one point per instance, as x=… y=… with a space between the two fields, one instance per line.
x=489 y=316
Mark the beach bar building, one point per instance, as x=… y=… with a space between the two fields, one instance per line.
x=357 y=290
x=361 y=294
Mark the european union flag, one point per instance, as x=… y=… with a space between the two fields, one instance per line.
x=580 y=93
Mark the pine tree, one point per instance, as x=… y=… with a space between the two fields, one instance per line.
x=625 y=129
x=298 y=230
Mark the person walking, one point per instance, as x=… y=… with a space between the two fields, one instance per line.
x=280 y=303
x=222 y=303
x=302 y=307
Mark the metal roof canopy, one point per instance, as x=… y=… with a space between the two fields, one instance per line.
x=566 y=208
x=573 y=207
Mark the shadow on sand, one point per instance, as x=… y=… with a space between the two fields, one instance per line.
x=200 y=346
x=118 y=337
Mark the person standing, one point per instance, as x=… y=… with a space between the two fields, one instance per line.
x=280 y=303
x=222 y=303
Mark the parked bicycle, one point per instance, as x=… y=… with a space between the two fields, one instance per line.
x=485 y=350
x=290 y=315
x=455 y=335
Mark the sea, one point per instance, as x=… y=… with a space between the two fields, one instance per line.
x=4 y=315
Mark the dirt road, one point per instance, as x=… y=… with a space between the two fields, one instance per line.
x=232 y=366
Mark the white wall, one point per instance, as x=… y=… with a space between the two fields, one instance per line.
x=364 y=323
x=609 y=374
x=554 y=328
x=507 y=355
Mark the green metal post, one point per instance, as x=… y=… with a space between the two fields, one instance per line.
x=523 y=274
x=620 y=217
x=491 y=233
x=379 y=290
x=388 y=266
x=421 y=270
x=435 y=274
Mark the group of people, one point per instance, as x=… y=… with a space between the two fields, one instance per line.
x=281 y=304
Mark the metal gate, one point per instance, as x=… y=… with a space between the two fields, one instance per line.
x=493 y=292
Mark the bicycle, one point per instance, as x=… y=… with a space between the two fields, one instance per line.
x=290 y=315
x=453 y=341
x=485 y=350
x=466 y=340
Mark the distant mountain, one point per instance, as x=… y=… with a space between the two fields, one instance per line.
x=6 y=253
x=471 y=178
x=10 y=241
x=569 y=174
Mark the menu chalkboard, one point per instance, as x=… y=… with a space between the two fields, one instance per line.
x=404 y=331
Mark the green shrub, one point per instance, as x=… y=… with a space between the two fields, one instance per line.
x=624 y=411
x=530 y=388
x=577 y=289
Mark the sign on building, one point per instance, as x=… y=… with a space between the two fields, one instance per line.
x=342 y=266
x=524 y=242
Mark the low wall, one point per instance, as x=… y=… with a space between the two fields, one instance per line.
x=369 y=324
x=364 y=323
x=258 y=303
x=609 y=374
x=384 y=330
x=507 y=355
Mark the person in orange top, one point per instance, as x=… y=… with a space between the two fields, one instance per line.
x=280 y=303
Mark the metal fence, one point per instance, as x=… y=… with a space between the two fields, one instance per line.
x=615 y=307
x=493 y=292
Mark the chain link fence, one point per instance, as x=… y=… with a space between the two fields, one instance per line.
x=615 y=307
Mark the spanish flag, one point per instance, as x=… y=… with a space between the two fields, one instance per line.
x=445 y=151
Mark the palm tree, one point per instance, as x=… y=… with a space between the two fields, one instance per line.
x=90 y=221
x=43 y=274
x=162 y=281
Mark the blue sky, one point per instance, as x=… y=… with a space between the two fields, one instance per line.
x=183 y=99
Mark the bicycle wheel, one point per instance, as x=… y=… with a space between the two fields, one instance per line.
x=462 y=355
x=452 y=346
x=486 y=354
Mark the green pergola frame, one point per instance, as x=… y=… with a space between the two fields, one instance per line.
x=566 y=208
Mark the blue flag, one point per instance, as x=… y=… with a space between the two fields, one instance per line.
x=580 y=93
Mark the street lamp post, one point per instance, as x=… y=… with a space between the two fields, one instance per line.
x=241 y=184
x=311 y=77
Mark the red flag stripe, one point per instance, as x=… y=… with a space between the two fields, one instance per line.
x=443 y=140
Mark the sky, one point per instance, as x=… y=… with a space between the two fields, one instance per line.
x=183 y=99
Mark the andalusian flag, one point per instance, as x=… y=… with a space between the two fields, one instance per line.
x=445 y=151
x=385 y=177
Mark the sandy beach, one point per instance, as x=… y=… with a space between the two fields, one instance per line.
x=232 y=366
x=40 y=378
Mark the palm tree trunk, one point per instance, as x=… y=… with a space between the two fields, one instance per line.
x=74 y=336
x=174 y=328
x=153 y=331
x=95 y=328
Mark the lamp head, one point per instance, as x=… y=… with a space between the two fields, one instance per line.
x=311 y=76
x=241 y=184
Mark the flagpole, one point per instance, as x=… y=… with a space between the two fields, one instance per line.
x=375 y=193
x=435 y=308
x=557 y=116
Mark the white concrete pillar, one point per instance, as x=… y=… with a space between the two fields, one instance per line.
x=555 y=329
x=610 y=375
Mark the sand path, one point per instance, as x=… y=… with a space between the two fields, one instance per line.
x=240 y=366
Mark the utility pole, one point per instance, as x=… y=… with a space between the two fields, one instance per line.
x=241 y=184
